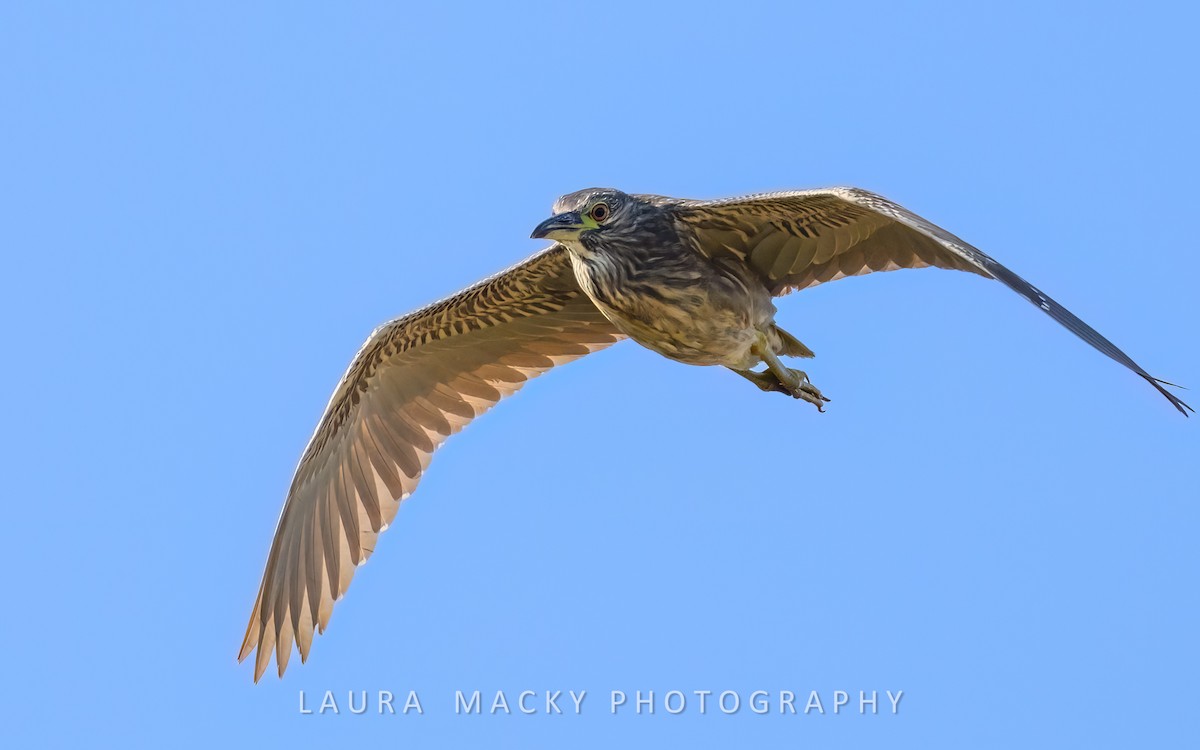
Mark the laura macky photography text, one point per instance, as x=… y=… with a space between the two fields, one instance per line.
x=612 y=702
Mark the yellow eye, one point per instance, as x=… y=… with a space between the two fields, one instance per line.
x=599 y=212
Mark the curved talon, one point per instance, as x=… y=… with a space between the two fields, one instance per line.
x=805 y=390
x=794 y=383
x=812 y=395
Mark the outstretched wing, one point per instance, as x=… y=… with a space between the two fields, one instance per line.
x=800 y=239
x=416 y=381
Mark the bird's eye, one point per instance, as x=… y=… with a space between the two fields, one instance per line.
x=599 y=212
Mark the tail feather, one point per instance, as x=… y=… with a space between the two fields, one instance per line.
x=791 y=345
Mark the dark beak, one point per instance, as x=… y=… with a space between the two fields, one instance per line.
x=565 y=226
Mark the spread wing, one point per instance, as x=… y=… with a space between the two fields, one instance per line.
x=799 y=239
x=416 y=381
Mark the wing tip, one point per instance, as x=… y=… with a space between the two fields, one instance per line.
x=1182 y=406
x=253 y=629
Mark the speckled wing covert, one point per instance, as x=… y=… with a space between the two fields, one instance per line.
x=799 y=239
x=416 y=381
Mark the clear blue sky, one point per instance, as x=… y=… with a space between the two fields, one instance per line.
x=205 y=209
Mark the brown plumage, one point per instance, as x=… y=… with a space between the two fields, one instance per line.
x=416 y=381
x=690 y=279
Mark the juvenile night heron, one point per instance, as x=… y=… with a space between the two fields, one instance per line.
x=692 y=280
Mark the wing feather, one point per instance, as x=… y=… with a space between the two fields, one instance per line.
x=798 y=239
x=416 y=381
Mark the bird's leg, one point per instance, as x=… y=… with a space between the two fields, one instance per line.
x=786 y=380
x=768 y=381
x=765 y=380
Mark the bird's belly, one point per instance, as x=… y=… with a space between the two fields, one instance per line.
x=689 y=311
x=695 y=339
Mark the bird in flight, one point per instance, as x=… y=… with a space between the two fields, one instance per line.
x=691 y=280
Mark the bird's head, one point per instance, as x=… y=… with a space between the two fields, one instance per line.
x=587 y=218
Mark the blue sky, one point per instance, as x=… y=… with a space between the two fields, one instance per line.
x=207 y=208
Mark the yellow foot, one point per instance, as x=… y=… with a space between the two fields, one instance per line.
x=798 y=387
x=802 y=389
